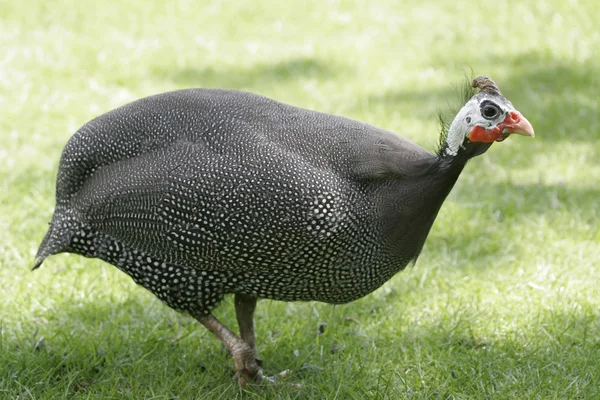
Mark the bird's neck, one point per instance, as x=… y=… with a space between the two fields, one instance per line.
x=448 y=154
x=443 y=178
x=415 y=205
x=436 y=186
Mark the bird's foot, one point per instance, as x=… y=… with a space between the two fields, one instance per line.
x=275 y=379
x=248 y=368
x=253 y=373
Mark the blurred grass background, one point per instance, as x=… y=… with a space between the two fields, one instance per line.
x=503 y=302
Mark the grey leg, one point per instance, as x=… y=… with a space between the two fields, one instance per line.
x=241 y=352
x=244 y=309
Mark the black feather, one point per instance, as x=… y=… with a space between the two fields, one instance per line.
x=464 y=92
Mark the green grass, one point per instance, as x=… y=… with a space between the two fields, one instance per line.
x=504 y=301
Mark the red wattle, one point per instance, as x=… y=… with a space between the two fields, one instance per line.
x=480 y=134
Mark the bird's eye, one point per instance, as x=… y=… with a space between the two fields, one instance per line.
x=490 y=112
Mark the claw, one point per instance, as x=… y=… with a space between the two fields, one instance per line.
x=276 y=379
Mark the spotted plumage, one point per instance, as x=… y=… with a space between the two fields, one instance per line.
x=199 y=193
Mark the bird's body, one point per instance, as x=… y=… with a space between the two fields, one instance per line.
x=246 y=195
x=200 y=193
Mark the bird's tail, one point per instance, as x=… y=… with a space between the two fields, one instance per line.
x=58 y=238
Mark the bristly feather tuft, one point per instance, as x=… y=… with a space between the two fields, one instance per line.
x=445 y=118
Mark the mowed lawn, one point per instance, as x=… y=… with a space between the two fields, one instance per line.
x=504 y=301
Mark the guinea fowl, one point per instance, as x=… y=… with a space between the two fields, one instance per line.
x=201 y=193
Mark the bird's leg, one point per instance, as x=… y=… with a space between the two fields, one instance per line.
x=241 y=352
x=244 y=309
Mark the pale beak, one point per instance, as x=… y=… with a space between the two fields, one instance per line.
x=515 y=122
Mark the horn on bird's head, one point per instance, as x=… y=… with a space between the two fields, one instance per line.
x=485 y=84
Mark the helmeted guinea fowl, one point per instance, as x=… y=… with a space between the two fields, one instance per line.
x=199 y=193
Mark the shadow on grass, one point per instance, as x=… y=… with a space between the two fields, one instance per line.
x=118 y=347
x=260 y=75
x=504 y=207
x=517 y=200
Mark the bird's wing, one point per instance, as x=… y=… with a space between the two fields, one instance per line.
x=189 y=205
x=384 y=154
x=228 y=178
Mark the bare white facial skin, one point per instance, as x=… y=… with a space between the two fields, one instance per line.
x=485 y=111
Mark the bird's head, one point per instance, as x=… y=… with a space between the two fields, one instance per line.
x=487 y=117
